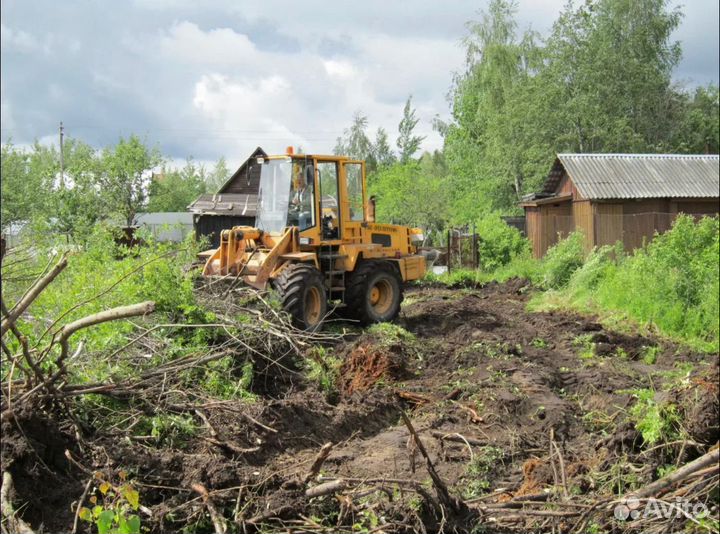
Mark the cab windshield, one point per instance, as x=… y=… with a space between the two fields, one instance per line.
x=286 y=195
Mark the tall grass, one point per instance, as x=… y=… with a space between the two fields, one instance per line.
x=672 y=282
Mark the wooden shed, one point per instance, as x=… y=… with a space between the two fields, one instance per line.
x=619 y=197
x=234 y=204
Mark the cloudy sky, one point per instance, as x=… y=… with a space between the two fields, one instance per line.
x=206 y=79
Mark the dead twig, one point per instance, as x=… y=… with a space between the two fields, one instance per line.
x=440 y=488
x=217 y=519
x=318 y=462
x=15 y=525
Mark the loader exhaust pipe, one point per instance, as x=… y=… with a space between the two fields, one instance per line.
x=371 y=209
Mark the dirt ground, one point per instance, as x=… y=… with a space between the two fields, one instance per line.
x=488 y=386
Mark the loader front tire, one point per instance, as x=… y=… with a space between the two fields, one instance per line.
x=374 y=292
x=302 y=293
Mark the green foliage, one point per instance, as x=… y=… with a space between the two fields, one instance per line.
x=19 y=187
x=217 y=178
x=585 y=345
x=476 y=480
x=458 y=278
x=104 y=276
x=499 y=244
x=355 y=142
x=408 y=143
x=94 y=185
x=390 y=334
x=113 y=513
x=655 y=421
x=226 y=378
x=174 y=190
x=382 y=154
x=171 y=430
x=415 y=194
x=598 y=265
x=562 y=260
x=671 y=282
x=601 y=81
x=650 y=354
x=124 y=181
x=323 y=369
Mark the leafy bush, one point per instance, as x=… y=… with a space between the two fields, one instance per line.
x=653 y=420
x=115 y=514
x=562 y=260
x=598 y=265
x=671 y=282
x=102 y=275
x=499 y=243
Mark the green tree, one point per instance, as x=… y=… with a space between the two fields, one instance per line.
x=77 y=205
x=382 y=153
x=125 y=177
x=174 y=190
x=408 y=143
x=611 y=62
x=415 y=193
x=33 y=192
x=219 y=175
x=698 y=131
x=21 y=191
x=601 y=82
x=354 y=142
x=493 y=140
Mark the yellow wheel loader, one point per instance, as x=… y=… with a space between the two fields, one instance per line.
x=316 y=240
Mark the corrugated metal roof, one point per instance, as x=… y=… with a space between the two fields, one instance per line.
x=225 y=204
x=609 y=176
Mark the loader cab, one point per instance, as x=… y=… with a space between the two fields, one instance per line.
x=287 y=194
x=323 y=196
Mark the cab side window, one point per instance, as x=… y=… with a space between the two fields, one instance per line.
x=329 y=202
x=353 y=172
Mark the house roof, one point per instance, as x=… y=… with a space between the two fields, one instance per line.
x=631 y=176
x=225 y=204
x=258 y=152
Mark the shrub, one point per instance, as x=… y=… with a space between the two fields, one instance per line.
x=562 y=260
x=671 y=282
x=599 y=264
x=654 y=421
x=499 y=243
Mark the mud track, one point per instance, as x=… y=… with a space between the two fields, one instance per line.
x=487 y=386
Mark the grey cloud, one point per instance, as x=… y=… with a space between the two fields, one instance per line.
x=100 y=67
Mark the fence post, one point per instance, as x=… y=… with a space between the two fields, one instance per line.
x=474 y=248
x=448 y=252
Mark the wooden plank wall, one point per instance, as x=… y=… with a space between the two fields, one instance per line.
x=532 y=229
x=245 y=180
x=607 y=223
x=583 y=219
x=556 y=222
x=699 y=207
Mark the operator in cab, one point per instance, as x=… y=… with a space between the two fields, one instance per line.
x=302 y=197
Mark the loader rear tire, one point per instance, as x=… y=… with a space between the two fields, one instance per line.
x=302 y=292
x=374 y=292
